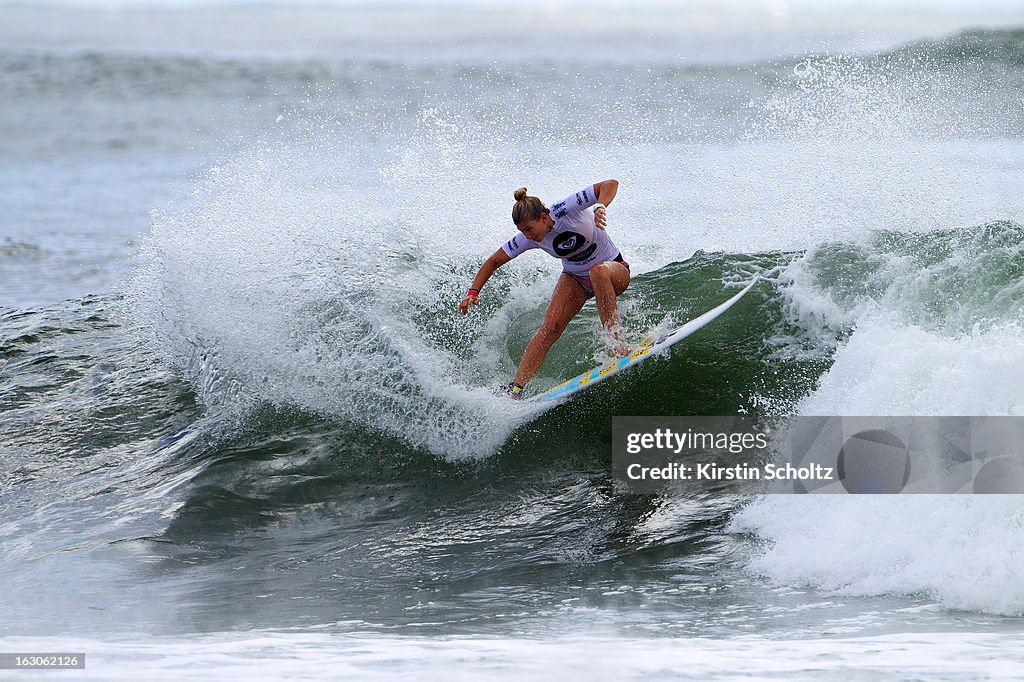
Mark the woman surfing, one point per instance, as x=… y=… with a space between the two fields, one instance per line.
x=591 y=267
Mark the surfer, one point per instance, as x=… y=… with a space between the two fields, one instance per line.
x=592 y=267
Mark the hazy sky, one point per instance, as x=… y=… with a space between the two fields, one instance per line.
x=701 y=30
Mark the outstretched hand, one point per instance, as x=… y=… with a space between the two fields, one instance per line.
x=469 y=300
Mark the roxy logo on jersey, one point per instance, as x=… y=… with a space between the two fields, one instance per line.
x=567 y=242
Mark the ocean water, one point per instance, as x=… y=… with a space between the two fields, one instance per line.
x=245 y=432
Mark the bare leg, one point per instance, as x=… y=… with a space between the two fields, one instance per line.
x=610 y=279
x=567 y=300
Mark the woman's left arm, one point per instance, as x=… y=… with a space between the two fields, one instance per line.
x=604 y=192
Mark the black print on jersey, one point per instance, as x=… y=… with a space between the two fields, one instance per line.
x=585 y=197
x=567 y=242
x=579 y=199
x=583 y=255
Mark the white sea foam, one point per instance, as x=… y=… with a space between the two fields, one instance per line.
x=963 y=552
x=284 y=284
x=942 y=339
x=313 y=655
x=889 y=368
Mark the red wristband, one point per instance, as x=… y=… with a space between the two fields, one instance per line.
x=474 y=293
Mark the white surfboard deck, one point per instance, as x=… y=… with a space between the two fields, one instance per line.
x=587 y=379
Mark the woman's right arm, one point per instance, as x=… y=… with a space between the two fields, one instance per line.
x=496 y=260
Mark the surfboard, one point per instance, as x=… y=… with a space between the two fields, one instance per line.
x=589 y=378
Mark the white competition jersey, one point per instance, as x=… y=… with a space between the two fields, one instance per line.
x=575 y=238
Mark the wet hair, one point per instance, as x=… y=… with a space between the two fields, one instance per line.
x=526 y=207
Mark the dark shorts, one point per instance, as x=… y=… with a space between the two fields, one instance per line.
x=584 y=280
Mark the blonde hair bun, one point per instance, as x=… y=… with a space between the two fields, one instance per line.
x=526 y=207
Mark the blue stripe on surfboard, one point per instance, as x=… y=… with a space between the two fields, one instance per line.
x=592 y=376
